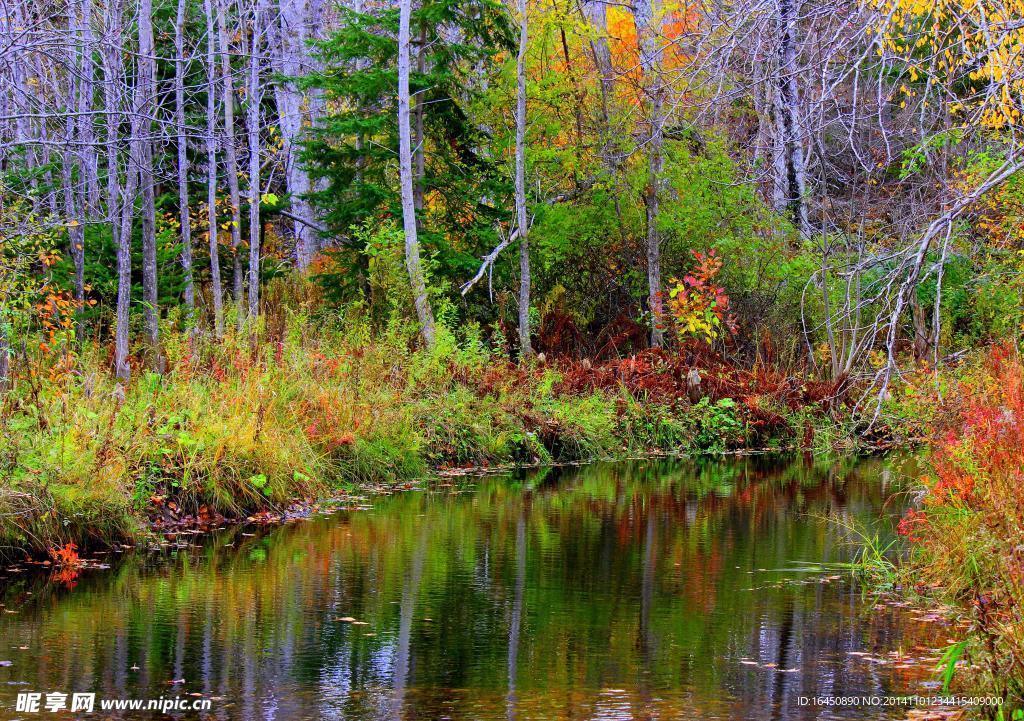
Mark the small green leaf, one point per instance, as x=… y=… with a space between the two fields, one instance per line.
x=949 y=659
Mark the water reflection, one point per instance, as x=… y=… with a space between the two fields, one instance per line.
x=648 y=590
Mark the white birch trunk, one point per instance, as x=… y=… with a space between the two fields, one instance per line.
x=522 y=221
x=253 y=95
x=790 y=171
x=291 y=37
x=648 y=23
x=112 y=78
x=412 y=246
x=86 y=106
x=72 y=200
x=419 y=139
x=211 y=169
x=597 y=13
x=5 y=355
x=143 y=129
x=183 y=167
x=231 y=165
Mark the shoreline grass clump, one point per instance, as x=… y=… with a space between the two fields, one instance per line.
x=966 y=535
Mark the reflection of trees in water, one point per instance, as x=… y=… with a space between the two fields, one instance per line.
x=515 y=625
x=634 y=576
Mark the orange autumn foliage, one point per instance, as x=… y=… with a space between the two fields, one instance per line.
x=966 y=535
x=675 y=21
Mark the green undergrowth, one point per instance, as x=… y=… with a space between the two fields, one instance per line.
x=312 y=411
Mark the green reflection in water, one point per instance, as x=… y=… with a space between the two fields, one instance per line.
x=655 y=589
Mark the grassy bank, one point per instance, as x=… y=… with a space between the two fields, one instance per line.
x=319 y=407
x=966 y=533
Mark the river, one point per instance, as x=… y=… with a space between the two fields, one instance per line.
x=662 y=589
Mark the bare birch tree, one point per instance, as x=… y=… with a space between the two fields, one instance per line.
x=145 y=93
x=522 y=221
x=647 y=15
x=413 y=263
x=253 y=97
x=184 y=215
x=231 y=162
x=211 y=170
x=118 y=205
x=790 y=174
x=292 y=33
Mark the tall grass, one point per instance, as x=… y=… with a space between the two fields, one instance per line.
x=320 y=404
x=876 y=552
x=315 y=407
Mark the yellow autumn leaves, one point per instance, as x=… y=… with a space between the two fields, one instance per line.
x=973 y=49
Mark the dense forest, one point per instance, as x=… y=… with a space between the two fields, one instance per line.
x=833 y=184
x=253 y=254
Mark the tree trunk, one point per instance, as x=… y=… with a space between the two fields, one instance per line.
x=144 y=108
x=179 y=113
x=116 y=198
x=22 y=121
x=211 y=170
x=72 y=201
x=5 y=355
x=923 y=337
x=596 y=12
x=231 y=166
x=419 y=159
x=253 y=94
x=790 y=171
x=288 y=60
x=412 y=245
x=86 y=102
x=76 y=233
x=648 y=33
x=124 y=267
x=522 y=222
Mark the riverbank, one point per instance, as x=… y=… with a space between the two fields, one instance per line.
x=228 y=431
x=966 y=532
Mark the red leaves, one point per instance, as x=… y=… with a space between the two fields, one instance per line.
x=661 y=376
x=700 y=307
x=65 y=556
x=912 y=524
x=979 y=457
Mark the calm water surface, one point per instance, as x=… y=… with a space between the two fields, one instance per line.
x=647 y=590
